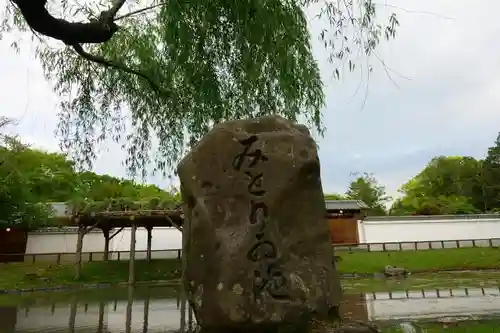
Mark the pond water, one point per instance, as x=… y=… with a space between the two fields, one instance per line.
x=156 y=309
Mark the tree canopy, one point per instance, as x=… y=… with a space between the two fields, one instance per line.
x=18 y=204
x=169 y=70
x=454 y=185
x=447 y=185
x=367 y=189
x=30 y=178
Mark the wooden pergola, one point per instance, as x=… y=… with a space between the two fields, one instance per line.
x=116 y=221
x=110 y=220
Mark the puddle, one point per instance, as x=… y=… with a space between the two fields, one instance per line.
x=157 y=310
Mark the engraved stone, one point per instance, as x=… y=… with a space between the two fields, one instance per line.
x=259 y=226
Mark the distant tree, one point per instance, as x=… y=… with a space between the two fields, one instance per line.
x=447 y=185
x=103 y=187
x=433 y=206
x=334 y=196
x=367 y=189
x=31 y=178
x=490 y=177
x=19 y=206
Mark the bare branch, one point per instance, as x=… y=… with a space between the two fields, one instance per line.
x=117 y=4
x=5 y=121
x=100 y=60
x=135 y=12
x=96 y=31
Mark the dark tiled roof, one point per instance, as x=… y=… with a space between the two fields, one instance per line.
x=345 y=204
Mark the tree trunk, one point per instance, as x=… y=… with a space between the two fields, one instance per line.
x=185 y=230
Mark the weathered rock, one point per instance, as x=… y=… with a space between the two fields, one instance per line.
x=258 y=247
x=393 y=271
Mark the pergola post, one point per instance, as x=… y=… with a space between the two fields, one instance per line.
x=72 y=314
x=100 y=327
x=149 y=229
x=79 y=247
x=185 y=230
x=131 y=276
x=145 y=320
x=130 y=301
x=105 y=232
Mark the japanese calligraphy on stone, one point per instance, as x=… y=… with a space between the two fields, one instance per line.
x=264 y=253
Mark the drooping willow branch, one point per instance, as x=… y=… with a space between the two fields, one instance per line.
x=102 y=61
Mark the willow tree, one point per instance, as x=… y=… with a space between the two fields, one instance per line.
x=138 y=71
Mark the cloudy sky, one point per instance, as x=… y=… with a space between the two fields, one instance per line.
x=442 y=98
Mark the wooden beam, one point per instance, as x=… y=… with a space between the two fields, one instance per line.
x=169 y=219
x=131 y=272
x=149 y=229
x=91 y=228
x=79 y=247
x=116 y=233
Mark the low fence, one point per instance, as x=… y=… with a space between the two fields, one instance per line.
x=420 y=245
x=176 y=253
x=70 y=257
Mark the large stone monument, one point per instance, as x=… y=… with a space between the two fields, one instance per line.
x=258 y=248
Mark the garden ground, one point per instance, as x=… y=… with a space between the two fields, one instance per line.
x=44 y=274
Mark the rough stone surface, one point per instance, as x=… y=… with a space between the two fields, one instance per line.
x=258 y=247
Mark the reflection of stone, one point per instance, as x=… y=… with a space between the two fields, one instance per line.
x=272 y=165
x=408 y=328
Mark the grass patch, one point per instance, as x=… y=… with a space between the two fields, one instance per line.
x=350 y=286
x=420 y=261
x=39 y=275
x=424 y=281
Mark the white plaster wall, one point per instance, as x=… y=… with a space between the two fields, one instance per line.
x=394 y=230
x=61 y=209
x=416 y=307
x=162 y=239
x=62 y=242
x=371 y=230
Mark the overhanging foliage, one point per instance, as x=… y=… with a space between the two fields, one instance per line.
x=169 y=70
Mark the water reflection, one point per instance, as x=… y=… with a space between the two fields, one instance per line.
x=133 y=314
x=422 y=304
x=158 y=309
